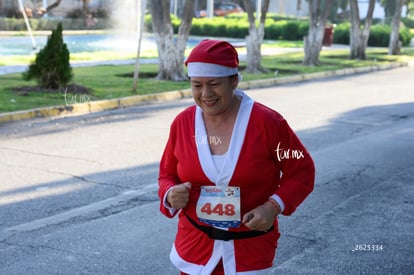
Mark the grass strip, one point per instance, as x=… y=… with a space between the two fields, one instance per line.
x=115 y=81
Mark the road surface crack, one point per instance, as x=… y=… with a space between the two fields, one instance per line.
x=48 y=155
x=38 y=247
x=81 y=178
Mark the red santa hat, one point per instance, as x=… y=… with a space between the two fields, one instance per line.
x=212 y=58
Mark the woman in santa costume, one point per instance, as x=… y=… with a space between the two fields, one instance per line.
x=230 y=167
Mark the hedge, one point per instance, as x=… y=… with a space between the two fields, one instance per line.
x=18 y=24
x=379 y=35
x=408 y=22
x=276 y=28
x=288 y=29
x=341 y=33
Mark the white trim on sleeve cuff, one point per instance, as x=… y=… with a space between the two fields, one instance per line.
x=279 y=201
x=167 y=205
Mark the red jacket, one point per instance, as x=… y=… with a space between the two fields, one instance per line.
x=272 y=160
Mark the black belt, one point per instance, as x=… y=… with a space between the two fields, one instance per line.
x=223 y=235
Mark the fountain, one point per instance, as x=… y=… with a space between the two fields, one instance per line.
x=26 y=20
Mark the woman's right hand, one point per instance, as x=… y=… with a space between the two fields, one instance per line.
x=179 y=195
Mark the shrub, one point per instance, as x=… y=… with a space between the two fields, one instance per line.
x=408 y=22
x=303 y=29
x=196 y=27
x=51 y=68
x=220 y=29
x=101 y=13
x=209 y=28
x=405 y=36
x=238 y=29
x=291 y=31
x=282 y=28
x=280 y=17
x=274 y=31
x=341 y=33
x=379 y=36
x=148 y=23
x=175 y=22
x=76 y=14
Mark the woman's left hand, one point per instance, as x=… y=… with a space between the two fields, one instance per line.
x=262 y=217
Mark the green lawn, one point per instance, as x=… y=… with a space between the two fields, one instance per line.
x=106 y=82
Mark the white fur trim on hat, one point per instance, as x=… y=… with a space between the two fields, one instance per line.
x=201 y=69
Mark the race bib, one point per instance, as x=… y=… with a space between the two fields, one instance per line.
x=219 y=206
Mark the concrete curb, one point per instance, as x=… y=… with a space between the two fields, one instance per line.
x=111 y=104
x=93 y=106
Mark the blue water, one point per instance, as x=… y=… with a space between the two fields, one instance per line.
x=22 y=45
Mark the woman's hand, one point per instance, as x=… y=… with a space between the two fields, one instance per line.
x=179 y=195
x=262 y=217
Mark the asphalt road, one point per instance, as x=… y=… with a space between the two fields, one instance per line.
x=78 y=193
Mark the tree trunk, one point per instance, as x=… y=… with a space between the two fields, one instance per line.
x=253 y=51
x=359 y=37
x=170 y=67
x=395 y=46
x=52 y=6
x=313 y=41
x=313 y=45
x=170 y=53
x=142 y=4
x=85 y=4
x=184 y=29
x=41 y=11
x=255 y=38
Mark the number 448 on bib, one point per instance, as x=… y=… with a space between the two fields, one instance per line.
x=219 y=206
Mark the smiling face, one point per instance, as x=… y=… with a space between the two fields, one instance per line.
x=214 y=95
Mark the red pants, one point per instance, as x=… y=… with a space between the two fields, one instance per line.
x=219 y=270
